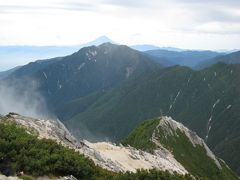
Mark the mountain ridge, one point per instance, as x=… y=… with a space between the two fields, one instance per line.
x=91 y=69
x=231 y=58
x=189 y=58
x=104 y=153
x=168 y=134
x=23 y=54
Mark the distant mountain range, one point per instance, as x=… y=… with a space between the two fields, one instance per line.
x=105 y=91
x=147 y=47
x=185 y=58
x=232 y=58
x=12 y=56
x=20 y=55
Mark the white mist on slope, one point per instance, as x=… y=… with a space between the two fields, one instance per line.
x=22 y=97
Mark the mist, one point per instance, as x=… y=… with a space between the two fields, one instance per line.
x=22 y=97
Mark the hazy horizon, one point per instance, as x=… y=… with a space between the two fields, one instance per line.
x=185 y=24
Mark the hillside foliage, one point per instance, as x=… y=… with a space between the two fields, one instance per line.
x=206 y=101
x=194 y=159
x=21 y=151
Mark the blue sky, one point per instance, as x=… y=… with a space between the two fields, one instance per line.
x=192 y=24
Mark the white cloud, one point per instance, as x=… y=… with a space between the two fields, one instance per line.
x=181 y=23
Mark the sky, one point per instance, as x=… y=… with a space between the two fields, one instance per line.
x=189 y=24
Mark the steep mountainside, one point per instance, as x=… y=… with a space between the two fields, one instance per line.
x=161 y=60
x=33 y=67
x=206 y=101
x=91 y=69
x=232 y=58
x=185 y=58
x=106 y=155
x=189 y=149
x=4 y=74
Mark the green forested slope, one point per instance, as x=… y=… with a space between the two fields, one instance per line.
x=90 y=70
x=194 y=159
x=206 y=101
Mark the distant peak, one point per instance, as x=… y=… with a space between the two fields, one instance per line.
x=106 y=44
x=100 y=40
x=104 y=39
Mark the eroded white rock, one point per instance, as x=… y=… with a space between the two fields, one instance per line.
x=105 y=154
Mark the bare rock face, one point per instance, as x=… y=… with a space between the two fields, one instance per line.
x=119 y=158
x=49 y=129
x=171 y=126
x=105 y=154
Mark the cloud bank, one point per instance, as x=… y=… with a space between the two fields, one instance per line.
x=181 y=23
x=23 y=98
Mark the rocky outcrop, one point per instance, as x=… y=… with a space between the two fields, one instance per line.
x=119 y=158
x=49 y=129
x=171 y=126
x=105 y=154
